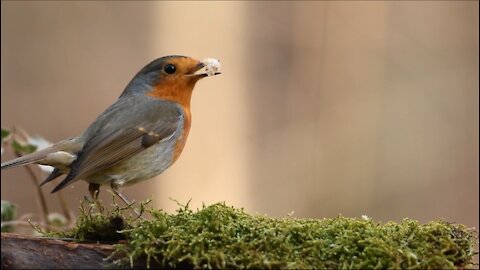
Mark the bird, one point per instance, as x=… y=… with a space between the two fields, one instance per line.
x=138 y=137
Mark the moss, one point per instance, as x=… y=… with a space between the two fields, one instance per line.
x=219 y=236
x=96 y=226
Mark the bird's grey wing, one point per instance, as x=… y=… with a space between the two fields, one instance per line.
x=128 y=132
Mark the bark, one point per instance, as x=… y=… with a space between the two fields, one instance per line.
x=21 y=252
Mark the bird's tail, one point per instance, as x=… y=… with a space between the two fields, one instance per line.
x=28 y=159
x=47 y=156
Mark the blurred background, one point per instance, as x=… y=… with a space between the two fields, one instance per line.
x=323 y=108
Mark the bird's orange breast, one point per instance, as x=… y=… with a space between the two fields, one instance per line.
x=180 y=94
x=182 y=140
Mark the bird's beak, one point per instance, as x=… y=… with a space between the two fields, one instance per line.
x=204 y=68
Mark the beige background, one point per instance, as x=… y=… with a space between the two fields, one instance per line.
x=322 y=108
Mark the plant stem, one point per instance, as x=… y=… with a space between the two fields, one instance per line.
x=63 y=205
x=41 y=197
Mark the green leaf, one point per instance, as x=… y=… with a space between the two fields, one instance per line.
x=5 y=133
x=23 y=148
x=8 y=213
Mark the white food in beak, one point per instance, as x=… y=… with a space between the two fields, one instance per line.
x=212 y=66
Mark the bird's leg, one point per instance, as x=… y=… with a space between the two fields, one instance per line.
x=123 y=197
x=94 y=190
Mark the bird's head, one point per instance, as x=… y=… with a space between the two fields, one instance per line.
x=171 y=77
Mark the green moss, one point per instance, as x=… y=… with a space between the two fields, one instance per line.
x=219 y=236
x=92 y=225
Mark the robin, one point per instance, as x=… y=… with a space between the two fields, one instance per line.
x=138 y=137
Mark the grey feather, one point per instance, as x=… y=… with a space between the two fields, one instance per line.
x=56 y=173
x=115 y=136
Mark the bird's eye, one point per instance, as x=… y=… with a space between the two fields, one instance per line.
x=170 y=69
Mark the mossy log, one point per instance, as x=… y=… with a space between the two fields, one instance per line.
x=219 y=236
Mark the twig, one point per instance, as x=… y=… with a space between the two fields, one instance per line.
x=23 y=223
x=63 y=204
x=41 y=197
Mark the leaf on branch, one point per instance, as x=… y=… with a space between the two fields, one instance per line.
x=8 y=214
x=5 y=133
x=23 y=148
